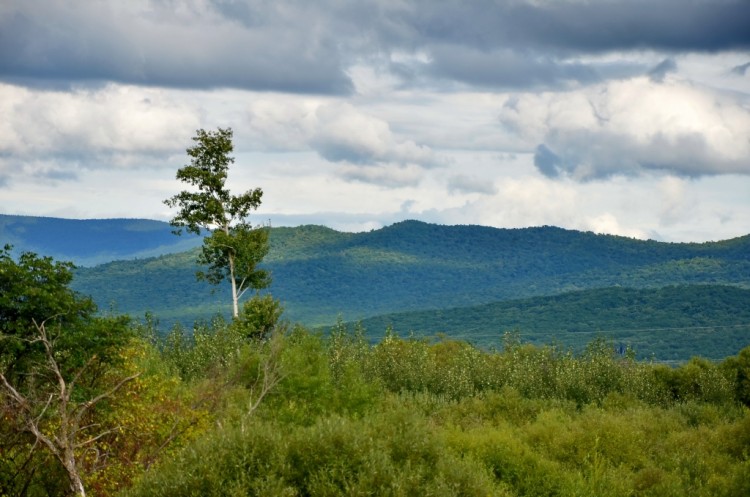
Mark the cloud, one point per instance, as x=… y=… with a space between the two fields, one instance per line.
x=281 y=123
x=186 y=44
x=607 y=223
x=632 y=126
x=344 y=134
x=308 y=47
x=676 y=203
x=339 y=132
x=554 y=44
x=585 y=26
x=468 y=184
x=56 y=134
x=387 y=176
x=660 y=71
x=741 y=70
x=548 y=163
x=506 y=68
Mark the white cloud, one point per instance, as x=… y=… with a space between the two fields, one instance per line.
x=388 y=175
x=339 y=132
x=630 y=126
x=469 y=184
x=344 y=134
x=676 y=202
x=608 y=223
x=59 y=133
x=281 y=123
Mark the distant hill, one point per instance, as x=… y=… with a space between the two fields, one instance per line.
x=87 y=242
x=470 y=282
x=320 y=274
x=668 y=323
x=413 y=265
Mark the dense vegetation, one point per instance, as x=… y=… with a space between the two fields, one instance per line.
x=406 y=417
x=447 y=271
x=667 y=324
x=320 y=274
x=258 y=407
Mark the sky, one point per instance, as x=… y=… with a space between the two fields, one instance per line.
x=627 y=117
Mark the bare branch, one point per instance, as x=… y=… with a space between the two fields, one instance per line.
x=271 y=373
x=81 y=409
x=65 y=427
x=91 y=440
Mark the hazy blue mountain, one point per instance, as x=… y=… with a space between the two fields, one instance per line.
x=87 y=242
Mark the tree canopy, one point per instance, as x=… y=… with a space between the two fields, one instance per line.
x=234 y=247
x=56 y=357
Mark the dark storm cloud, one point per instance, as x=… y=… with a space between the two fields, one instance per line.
x=517 y=44
x=505 y=68
x=87 y=41
x=595 y=26
x=308 y=46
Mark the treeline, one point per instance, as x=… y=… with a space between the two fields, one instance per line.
x=672 y=323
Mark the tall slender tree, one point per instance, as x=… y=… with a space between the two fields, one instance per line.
x=234 y=247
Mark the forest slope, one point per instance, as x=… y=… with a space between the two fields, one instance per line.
x=671 y=323
x=320 y=274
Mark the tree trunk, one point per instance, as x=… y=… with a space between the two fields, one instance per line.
x=76 y=483
x=233 y=281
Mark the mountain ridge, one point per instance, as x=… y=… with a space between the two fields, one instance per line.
x=88 y=242
x=320 y=273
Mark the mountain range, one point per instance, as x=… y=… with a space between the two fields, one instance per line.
x=471 y=282
x=88 y=242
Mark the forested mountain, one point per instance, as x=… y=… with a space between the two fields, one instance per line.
x=413 y=265
x=471 y=282
x=668 y=323
x=320 y=274
x=105 y=405
x=87 y=242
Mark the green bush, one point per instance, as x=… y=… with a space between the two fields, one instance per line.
x=393 y=452
x=415 y=417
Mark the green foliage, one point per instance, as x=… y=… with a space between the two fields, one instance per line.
x=390 y=453
x=34 y=291
x=258 y=317
x=246 y=248
x=59 y=363
x=669 y=323
x=548 y=283
x=738 y=369
x=207 y=348
x=212 y=206
x=234 y=248
x=410 y=417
